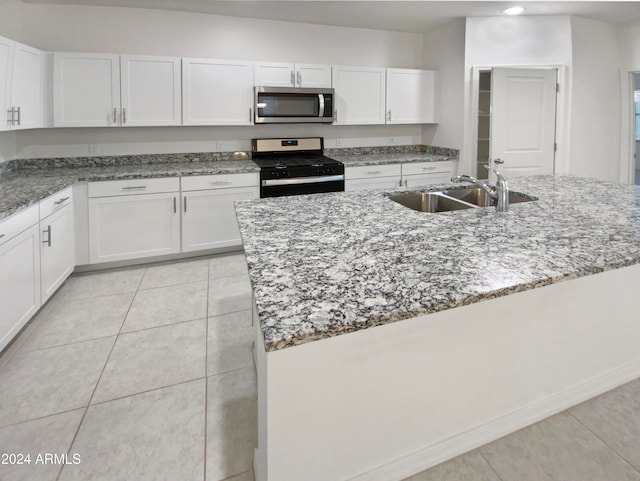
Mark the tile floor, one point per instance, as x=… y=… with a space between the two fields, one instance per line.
x=147 y=374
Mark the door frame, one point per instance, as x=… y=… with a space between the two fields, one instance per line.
x=563 y=104
x=626 y=170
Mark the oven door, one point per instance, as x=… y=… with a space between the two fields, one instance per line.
x=301 y=185
x=293 y=105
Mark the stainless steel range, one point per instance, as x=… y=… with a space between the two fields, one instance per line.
x=296 y=166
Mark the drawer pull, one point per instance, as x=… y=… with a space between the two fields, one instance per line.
x=429 y=168
x=221 y=182
x=58 y=202
x=1 y=236
x=135 y=187
x=374 y=172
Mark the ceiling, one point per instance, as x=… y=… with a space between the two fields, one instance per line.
x=415 y=16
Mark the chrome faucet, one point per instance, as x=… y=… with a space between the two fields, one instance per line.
x=499 y=193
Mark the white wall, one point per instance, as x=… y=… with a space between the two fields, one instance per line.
x=595 y=113
x=183 y=34
x=510 y=41
x=444 y=50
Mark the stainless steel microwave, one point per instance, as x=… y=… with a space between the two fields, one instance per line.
x=277 y=105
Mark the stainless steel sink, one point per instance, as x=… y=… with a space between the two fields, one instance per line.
x=480 y=197
x=430 y=202
x=453 y=199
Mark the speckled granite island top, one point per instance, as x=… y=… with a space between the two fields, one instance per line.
x=328 y=264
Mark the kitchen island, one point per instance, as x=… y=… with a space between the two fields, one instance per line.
x=507 y=318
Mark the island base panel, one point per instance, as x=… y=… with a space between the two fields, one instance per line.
x=383 y=403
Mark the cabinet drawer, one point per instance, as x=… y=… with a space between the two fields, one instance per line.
x=111 y=188
x=55 y=202
x=414 y=168
x=372 y=171
x=18 y=222
x=220 y=181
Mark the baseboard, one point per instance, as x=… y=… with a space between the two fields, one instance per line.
x=454 y=446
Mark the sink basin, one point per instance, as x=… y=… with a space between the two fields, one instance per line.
x=478 y=196
x=430 y=202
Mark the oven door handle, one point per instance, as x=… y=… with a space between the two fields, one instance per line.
x=303 y=180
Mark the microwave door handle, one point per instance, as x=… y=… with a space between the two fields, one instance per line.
x=321 y=106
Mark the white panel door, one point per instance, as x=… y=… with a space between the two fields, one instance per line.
x=209 y=217
x=360 y=95
x=86 y=90
x=523 y=120
x=217 y=92
x=6 y=51
x=151 y=90
x=132 y=226
x=313 y=76
x=57 y=244
x=412 y=96
x=372 y=183
x=19 y=282
x=274 y=74
x=26 y=87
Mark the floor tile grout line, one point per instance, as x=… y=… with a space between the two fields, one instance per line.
x=603 y=442
x=206 y=378
x=95 y=388
x=488 y=463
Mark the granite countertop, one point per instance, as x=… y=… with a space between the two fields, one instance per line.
x=357 y=160
x=327 y=264
x=23 y=187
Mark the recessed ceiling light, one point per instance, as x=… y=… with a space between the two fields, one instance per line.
x=514 y=11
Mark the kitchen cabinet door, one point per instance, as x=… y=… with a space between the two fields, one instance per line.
x=19 y=281
x=360 y=95
x=6 y=58
x=209 y=217
x=217 y=92
x=151 y=91
x=412 y=96
x=272 y=74
x=373 y=183
x=372 y=177
x=26 y=87
x=86 y=90
x=57 y=241
x=133 y=226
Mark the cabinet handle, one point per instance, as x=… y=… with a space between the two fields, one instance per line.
x=221 y=182
x=115 y=115
x=389 y=115
x=406 y=182
x=19 y=119
x=58 y=202
x=175 y=205
x=250 y=115
x=48 y=232
x=335 y=115
x=429 y=168
x=374 y=172
x=124 y=115
x=135 y=187
x=299 y=79
x=1 y=236
x=184 y=199
x=293 y=81
x=10 y=117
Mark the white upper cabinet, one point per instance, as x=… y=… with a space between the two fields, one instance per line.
x=274 y=74
x=360 y=95
x=412 y=96
x=86 y=90
x=103 y=90
x=217 y=92
x=21 y=85
x=151 y=90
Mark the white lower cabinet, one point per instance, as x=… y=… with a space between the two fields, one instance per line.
x=19 y=272
x=135 y=218
x=57 y=241
x=372 y=177
x=208 y=212
x=421 y=173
